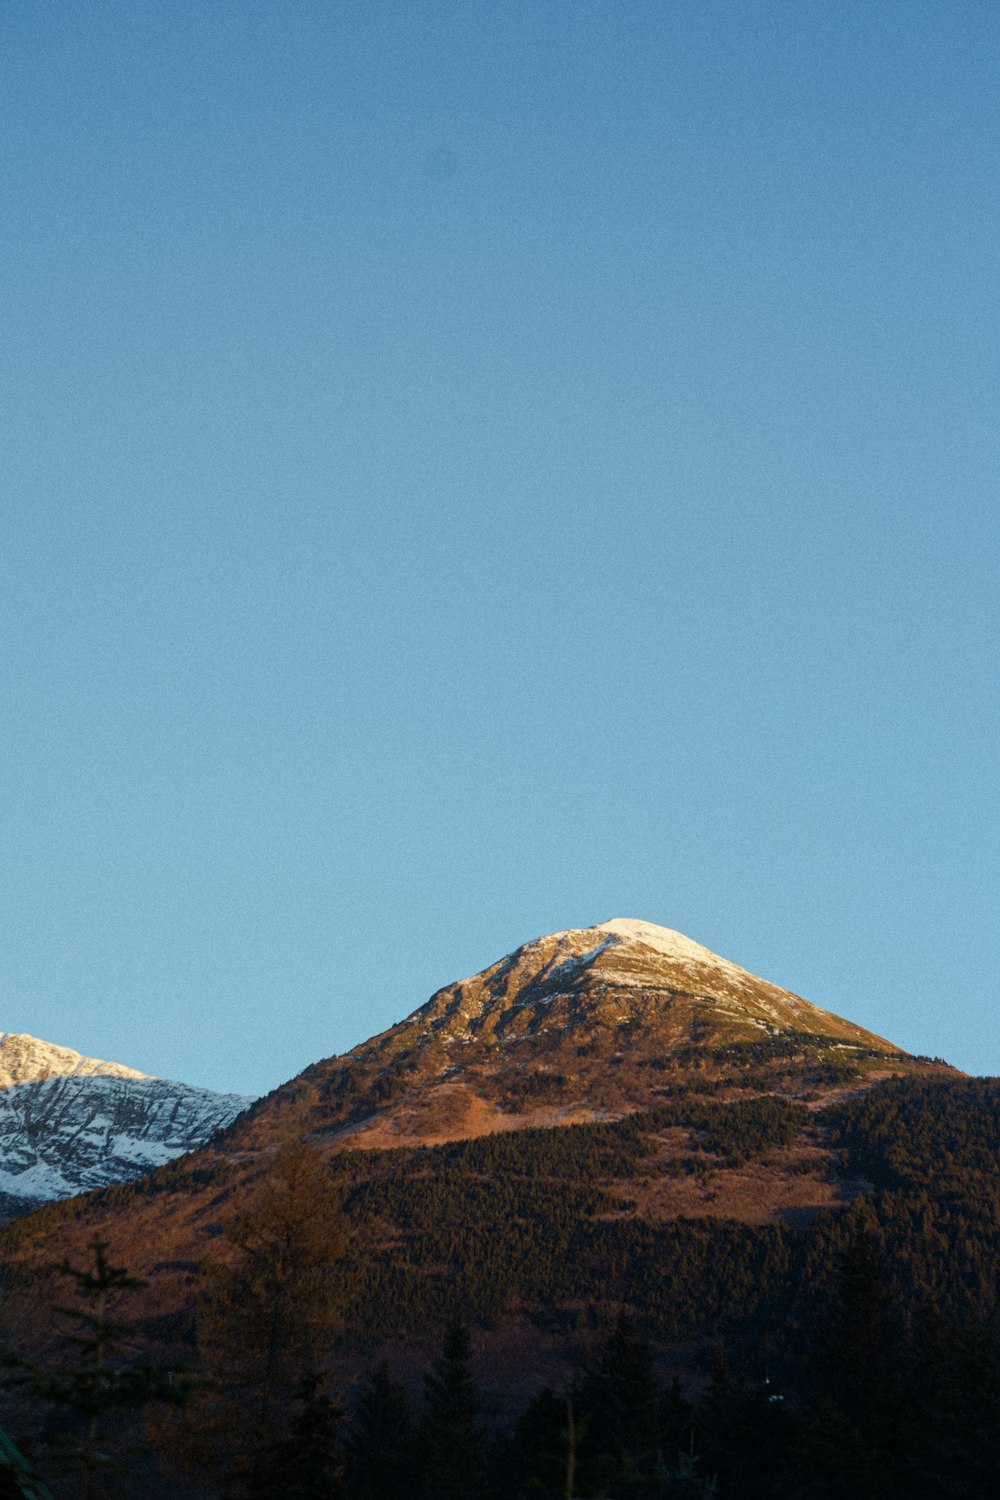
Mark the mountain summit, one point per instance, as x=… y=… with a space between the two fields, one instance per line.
x=582 y=1024
x=26 y=1059
x=624 y=973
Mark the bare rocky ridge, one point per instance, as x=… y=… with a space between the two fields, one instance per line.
x=585 y=1024
x=69 y=1123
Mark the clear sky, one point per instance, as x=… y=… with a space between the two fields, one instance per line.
x=470 y=469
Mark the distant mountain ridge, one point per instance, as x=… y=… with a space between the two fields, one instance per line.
x=69 y=1123
x=26 y=1059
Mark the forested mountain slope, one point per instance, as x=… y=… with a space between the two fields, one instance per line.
x=608 y=1115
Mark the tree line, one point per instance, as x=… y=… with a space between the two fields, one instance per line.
x=883 y=1406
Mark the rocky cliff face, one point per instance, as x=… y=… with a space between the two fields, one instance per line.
x=69 y=1123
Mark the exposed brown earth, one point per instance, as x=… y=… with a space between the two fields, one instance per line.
x=450 y=1112
x=791 y=1185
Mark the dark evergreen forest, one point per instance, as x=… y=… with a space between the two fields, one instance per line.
x=856 y=1356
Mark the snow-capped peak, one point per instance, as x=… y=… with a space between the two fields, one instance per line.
x=664 y=939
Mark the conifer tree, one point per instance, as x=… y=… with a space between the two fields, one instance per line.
x=543 y=1455
x=267 y=1314
x=269 y=1309
x=450 y=1440
x=101 y=1378
x=828 y=1457
x=621 y=1397
x=540 y=1457
x=744 y=1430
x=860 y=1357
x=682 y=1480
x=308 y=1463
x=949 y=1435
x=381 y=1457
x=675 y=1419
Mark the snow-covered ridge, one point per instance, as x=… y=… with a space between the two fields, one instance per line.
x=26 y=1059
x=69 y=1123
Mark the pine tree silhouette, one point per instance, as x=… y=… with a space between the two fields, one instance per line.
x=102 y=1377
x=308 y=1464
x=450 y=1439
x=381 y=1457
x=268 y=1312
x=620 y=1396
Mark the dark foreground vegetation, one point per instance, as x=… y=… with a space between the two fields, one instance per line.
x=857 y=1358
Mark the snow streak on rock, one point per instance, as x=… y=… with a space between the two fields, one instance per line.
x=69 y=1123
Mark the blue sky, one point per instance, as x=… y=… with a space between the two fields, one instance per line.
x=469 y=470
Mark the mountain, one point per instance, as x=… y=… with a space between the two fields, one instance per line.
x=609 y=1121
x=69 y=1123
x=25 y=1059
x=608 y=1116
x=610 y=1136
x=586 y=1024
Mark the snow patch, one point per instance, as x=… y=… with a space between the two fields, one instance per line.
x=37 y=1181
x=145 y=1154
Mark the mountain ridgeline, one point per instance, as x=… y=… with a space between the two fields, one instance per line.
x=601 y=1098
x=576 y=1026
x=69 y=1123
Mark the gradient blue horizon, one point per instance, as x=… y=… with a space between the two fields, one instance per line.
x=469 y=471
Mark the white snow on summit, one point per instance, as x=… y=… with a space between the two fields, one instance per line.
x=666 y=941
